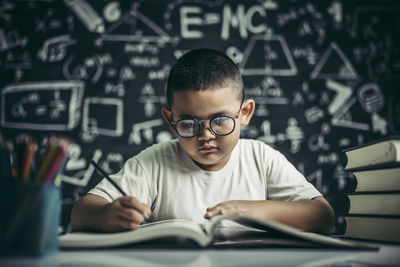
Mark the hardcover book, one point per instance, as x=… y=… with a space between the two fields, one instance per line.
x=381 y=178
x=381 y=151
x=373 y=228
x=375 y=204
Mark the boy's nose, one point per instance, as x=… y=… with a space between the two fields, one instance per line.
x=205 y=131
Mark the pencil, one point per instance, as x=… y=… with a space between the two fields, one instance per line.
x=58 y=161
x=47 y=158
x=102 y=172
x=30 y=153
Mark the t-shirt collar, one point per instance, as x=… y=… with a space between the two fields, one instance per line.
x=219 y=175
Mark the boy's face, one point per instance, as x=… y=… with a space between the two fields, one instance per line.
x=209 y=151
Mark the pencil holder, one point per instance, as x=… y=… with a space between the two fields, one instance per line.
x=29 y=219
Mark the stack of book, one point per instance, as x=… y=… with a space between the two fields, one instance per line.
x=374 y=212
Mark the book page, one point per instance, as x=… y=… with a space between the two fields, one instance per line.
x=184 y=229
x=168 y=222
x=279 y=230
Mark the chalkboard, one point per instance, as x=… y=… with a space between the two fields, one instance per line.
x=324 y=75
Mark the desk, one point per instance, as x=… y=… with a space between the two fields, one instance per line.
x=388 y=255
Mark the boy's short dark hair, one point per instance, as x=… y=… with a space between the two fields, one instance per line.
x=201 y=69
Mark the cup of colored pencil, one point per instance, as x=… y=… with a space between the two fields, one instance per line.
x=30 y=194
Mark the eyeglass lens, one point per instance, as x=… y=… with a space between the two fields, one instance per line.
x=222 y=125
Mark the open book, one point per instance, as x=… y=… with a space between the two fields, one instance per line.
x=219 y=230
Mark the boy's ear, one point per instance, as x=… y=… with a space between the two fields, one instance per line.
x=166 y=113
x=247 y=111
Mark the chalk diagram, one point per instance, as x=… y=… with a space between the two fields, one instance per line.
x=150 y=100
x=340 y=106
x=55 y=48
x=86 y=14
x=88 y=68
x=371 y=97
x=267 y=92
x=334 y=64
x=48 y=105
x=145 y=128
x=133 y=26
x=82 y=178
x=11 y=39
x=277 y=59
x=94 y=110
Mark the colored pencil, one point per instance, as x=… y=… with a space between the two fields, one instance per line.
x=47 y=158
x=58 y=161
x=29 y=157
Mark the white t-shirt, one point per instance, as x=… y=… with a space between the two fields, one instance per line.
x=165 y=178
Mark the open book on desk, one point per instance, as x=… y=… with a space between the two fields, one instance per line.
x=219 y=230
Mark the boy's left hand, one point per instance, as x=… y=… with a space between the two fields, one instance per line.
x=242 y=207
x=311 y=215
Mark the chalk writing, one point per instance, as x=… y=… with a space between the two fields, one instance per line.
x=324 y=76
x=42 y=105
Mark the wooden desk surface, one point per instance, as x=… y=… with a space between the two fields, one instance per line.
x=387 y=255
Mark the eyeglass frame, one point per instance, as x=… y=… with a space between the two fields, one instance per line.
x=174 y=123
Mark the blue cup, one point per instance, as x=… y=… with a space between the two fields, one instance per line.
x=29 y=219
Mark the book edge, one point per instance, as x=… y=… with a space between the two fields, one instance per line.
x=173 y=229
x=380 y=140
x=381 y=166
x=314 y=238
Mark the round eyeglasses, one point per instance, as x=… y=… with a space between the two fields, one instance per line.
x=220 y=125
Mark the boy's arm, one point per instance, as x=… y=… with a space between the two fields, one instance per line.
x=93 y=212
x=315 y=215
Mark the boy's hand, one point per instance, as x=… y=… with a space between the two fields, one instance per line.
x=125 y=213
x=242 y=207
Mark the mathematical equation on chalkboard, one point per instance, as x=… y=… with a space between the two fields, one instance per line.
x=323 y=74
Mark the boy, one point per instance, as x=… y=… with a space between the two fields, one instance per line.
x=208 y=170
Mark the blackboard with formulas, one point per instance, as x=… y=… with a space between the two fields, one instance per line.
x=324 y=75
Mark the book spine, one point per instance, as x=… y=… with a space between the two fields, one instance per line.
x=387 y=138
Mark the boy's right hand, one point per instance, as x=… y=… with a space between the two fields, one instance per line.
x=125 y=213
